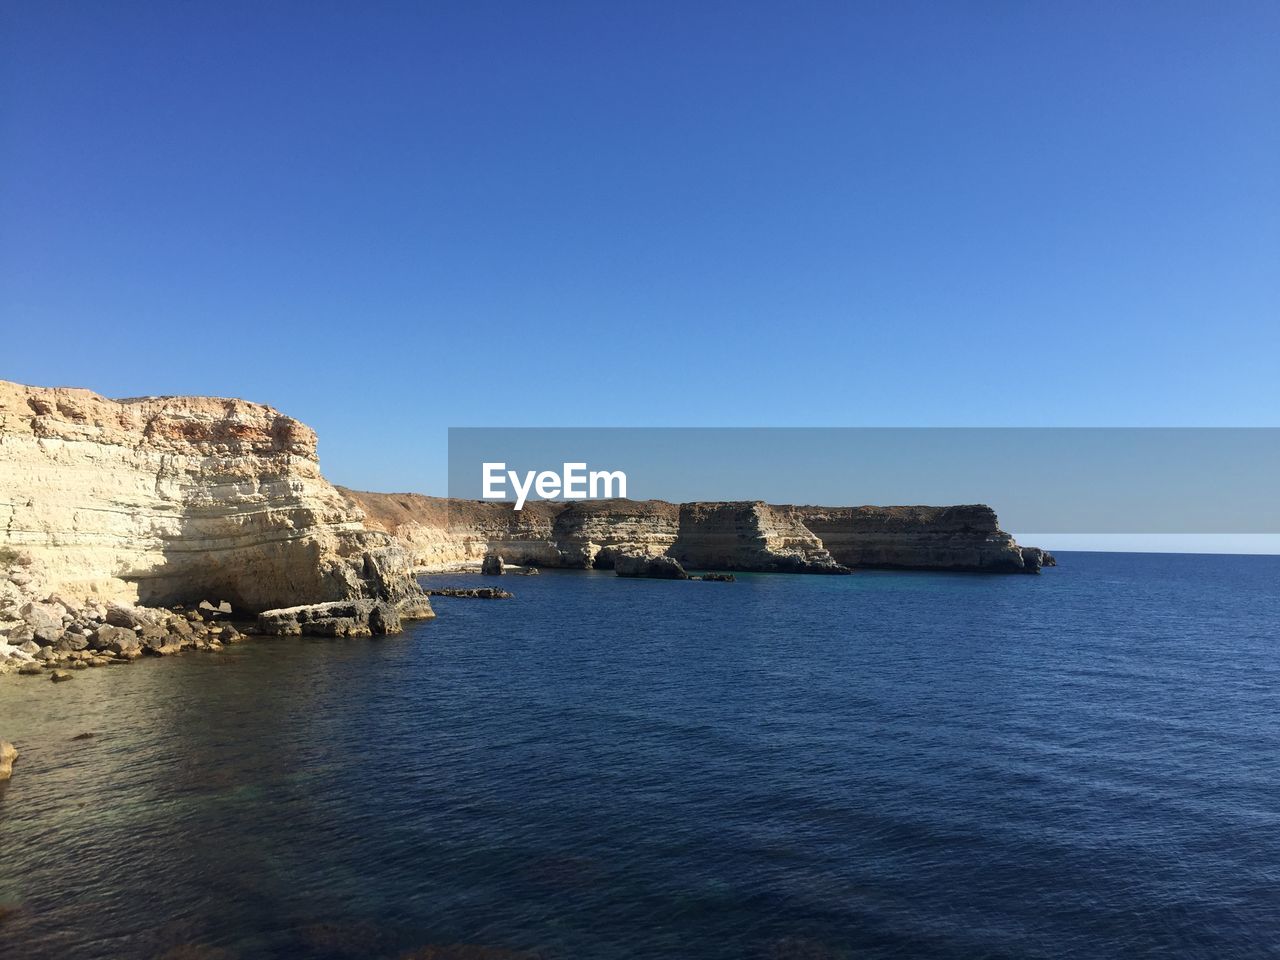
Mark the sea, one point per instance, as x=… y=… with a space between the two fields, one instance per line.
x=1084 y=763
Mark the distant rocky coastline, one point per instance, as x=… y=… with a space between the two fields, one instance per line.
x=440 y=534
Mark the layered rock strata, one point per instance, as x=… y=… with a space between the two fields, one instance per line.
x=167 y=500
x=442 y=534
x=343 y=618
x=749 y=536
x=965 y=538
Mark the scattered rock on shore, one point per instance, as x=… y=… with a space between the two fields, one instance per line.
x=92 y=634
x=8 y=754
x=491 y=566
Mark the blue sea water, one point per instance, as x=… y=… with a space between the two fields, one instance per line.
x=1081 y=764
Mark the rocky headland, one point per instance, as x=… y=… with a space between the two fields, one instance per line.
x=442 y=534
x=156 y=502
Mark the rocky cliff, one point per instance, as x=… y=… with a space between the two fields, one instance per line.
x=163 y=500
x=442 y=534
x=965 y=538
x=749 y=536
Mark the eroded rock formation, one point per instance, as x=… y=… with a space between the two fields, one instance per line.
x=749 y=536
x=443 y=534
x=965 y=538
x=164 y=500
x=650 y=567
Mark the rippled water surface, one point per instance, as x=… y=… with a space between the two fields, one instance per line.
x=1082 y=764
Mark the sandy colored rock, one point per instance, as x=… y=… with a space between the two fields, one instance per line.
x=442 y=534
x=8 y=754
x=162 y=500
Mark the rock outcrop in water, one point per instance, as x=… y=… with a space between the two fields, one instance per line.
x=650 y=567
x=343 y=618
x=165 y=500
x=442 y=534
x=749 y=536
x=8 y=754
x=965 y=538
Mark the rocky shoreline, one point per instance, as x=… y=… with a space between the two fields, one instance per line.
x=55 y=635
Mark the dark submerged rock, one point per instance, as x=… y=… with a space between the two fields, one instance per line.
x=475 y=593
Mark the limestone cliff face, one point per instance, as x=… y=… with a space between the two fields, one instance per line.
x=593 y=533
x=749 y=536
x=443 y=534
x=170 y=499
x=965 y=538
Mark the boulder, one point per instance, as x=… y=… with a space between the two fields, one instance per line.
x=30 y=669
x=45 y=620
x=153 y=632
x=118 y=640
x=59 y=676
x=70 y=643
x=656 y=568
x=121 y=616
x=71 y=606
x=384 y=619
x=21 y=635
x=29 y=647
x=8 y=754
x=491 y=566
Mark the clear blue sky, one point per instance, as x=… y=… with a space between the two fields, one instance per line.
x=387 y=219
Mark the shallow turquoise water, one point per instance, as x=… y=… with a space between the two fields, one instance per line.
x=1081 y=764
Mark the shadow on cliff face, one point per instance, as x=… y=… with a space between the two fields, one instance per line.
x=252 y=577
